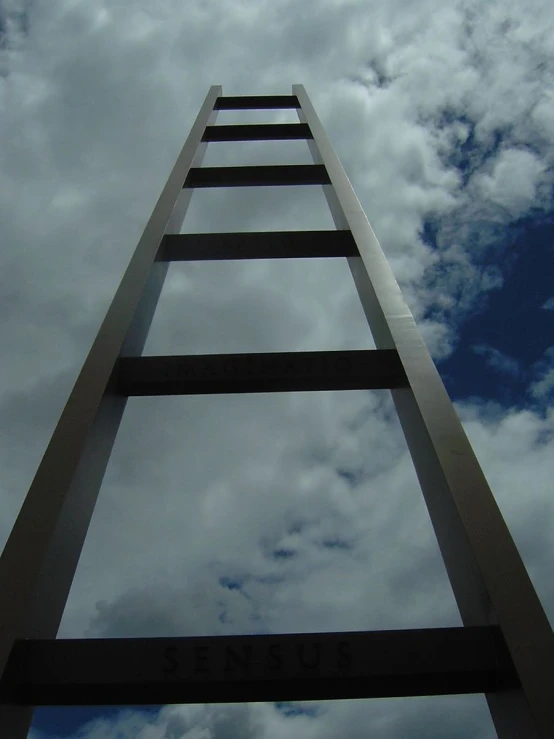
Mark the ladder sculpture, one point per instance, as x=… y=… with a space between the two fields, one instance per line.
x=505 y=648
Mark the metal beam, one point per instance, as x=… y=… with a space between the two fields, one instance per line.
x=42 y=551
x=489 y=580
x=256 y=102
x=257 y=176
x=257 y=132
x=257 y=245
x=275 y=667
x=259 y=373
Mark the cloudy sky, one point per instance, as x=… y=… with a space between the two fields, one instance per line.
x=297 y=512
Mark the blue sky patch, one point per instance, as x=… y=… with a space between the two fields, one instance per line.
x=352 y=477
x=231 y=583
x=283 y=553
x=66 y=721
x=501 y=349
x=336 y=543
x=291 y=710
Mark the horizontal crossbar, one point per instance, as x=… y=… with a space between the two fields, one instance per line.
x=260 y=373
x=257 y=245
x=228 y=669
x=256 y=102
x=254 y=176
x=258 y=132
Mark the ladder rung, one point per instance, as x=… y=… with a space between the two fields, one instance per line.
x=260 y=373
x=257 y=245
x=257 y=132
x=272 y=174
x=256 y=102
x=275 y=667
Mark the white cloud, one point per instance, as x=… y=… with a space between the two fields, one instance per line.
x=499 y=361
x=542 y=386
x=513 y=182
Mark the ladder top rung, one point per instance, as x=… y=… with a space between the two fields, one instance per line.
x=257 y=245
x=256 y=102
x=256 y=176
x=257 y=132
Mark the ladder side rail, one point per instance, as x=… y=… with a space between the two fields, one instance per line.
x=488 y=577
x=41 y=555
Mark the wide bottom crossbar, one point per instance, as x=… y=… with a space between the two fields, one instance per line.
x=286 y=667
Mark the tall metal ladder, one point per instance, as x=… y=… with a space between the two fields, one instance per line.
x=505 y=648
